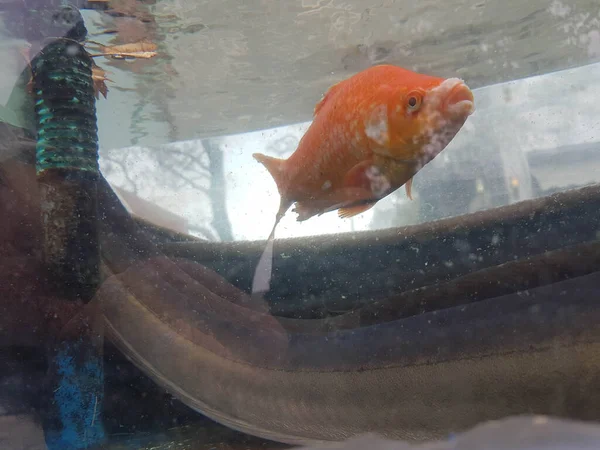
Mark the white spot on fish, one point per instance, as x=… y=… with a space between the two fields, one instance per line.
x=439 y=93
x=379 y=182
x=326 y=185
x=438 y=131
x=376 y=126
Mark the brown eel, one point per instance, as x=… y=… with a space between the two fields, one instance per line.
x=416 y=378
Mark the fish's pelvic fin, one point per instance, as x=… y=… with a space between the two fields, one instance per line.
x=274 y=166
x=352 y=211
x=357 y=176
x=408 y=187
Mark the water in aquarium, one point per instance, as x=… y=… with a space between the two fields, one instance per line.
x=311 y=223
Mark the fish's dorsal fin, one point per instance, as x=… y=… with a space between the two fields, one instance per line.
x=351 y=211
x=328 y=94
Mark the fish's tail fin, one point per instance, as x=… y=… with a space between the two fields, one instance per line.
x=274 y=166
x=263 y=273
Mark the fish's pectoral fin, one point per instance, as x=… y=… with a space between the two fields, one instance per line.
x=408 y=187
x=369 y=176
x=352 y=211
x=359 y=175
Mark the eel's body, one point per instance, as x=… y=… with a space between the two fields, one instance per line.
x=416 y=378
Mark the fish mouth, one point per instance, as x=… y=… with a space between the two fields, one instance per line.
x=460 y=100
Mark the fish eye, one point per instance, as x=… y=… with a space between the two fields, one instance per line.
x=414 y=101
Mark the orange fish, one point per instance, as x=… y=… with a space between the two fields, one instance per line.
x=370 y=134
